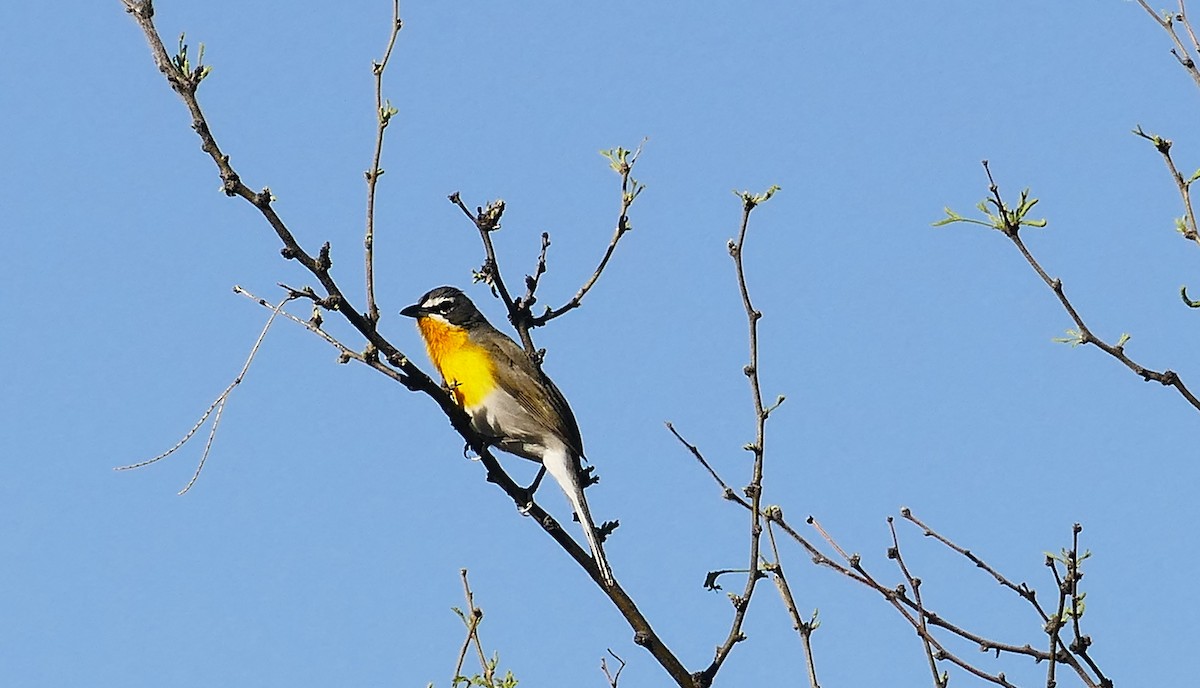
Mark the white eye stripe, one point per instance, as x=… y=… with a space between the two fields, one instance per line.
x=434 y=303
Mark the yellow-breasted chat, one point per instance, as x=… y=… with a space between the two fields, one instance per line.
x=509 y=399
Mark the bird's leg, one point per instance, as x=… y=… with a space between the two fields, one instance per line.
x=536 y=481
x=529 y=491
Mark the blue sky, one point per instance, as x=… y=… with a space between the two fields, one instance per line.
x=321 y=545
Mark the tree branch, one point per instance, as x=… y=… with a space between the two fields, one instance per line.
x=802 y=627
x=184 y=80
x=1009 y=221
x=939 y=680
x=383 y=112
x=1180 y=51
x=621 y=161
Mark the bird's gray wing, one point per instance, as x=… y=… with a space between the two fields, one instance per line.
x=539 y=397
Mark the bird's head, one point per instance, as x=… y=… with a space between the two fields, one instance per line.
x=447 y=305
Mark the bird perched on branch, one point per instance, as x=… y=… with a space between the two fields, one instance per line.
x=510 y=400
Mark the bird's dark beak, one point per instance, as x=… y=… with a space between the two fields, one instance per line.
x=413 y=311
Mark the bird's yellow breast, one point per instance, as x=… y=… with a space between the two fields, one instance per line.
x=464 y=365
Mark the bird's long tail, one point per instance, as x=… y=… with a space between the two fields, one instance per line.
x=564 y=469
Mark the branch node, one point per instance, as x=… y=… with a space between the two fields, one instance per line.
x=324 y=262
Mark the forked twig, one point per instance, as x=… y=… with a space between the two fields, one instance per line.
x=218 y=405
x=622 y=162
x=472 y=618
x=939 y=680
x=1180 y=51
x=611 y=676
x=799 y=624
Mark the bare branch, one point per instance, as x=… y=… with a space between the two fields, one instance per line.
x=1009 y=221
x=531 y=281
x=804 y=628
x=218 y=405
x=939 y=680
x=622 y=161
x=1023 y=590
x=1180 y=51
x=753 y=491
x=345 y=353
x=612 y=677
x=725 y=488
x=384 y=112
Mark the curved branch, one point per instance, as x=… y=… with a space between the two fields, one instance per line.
x=622 y=161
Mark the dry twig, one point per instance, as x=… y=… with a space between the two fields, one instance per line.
x=384 y=112
x=218 y=405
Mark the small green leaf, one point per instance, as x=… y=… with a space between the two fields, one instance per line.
x=1074 y=338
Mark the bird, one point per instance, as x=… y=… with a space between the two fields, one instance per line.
x=508 y=398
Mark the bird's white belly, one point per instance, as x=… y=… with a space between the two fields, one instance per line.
x=502 y=419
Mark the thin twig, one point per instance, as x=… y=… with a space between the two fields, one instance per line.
x=345 y=353
x=473 y=635
x=1189 y=228
x=1054 y=625
x=218 y=405
x=914 y=614
x=184 y=84
x=1081 y=642
x=487 y=220
x=383 y=112
x=1011 y=229
x=1180 y=51
x=612 y=678
x=753 y=491
x=726 y=490
x=803 y=628
x=531 y=281
x=907 y=607
x=915 y=584
x=623 y=162
x=1023 y=590
x=1187 y=24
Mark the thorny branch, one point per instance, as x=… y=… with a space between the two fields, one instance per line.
x=1009 y=220
x=184 y=79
